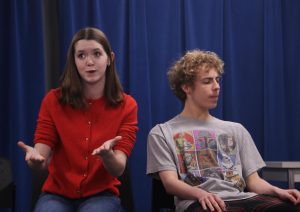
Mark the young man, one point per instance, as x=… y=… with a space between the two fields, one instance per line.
x=205 y=162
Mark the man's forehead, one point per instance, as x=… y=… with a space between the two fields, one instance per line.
x=208 y=72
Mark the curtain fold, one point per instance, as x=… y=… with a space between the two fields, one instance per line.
x=258 y=40
x=22 y=73
x=243 y=55
x=138 y=74
x=291 y=46
x=274 y=81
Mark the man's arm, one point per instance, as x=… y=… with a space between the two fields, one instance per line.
x=258 y=185
x=181 y=189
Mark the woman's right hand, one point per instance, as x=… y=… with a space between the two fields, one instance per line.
x=33 y=158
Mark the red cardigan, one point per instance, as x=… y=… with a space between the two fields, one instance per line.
x=73 y=134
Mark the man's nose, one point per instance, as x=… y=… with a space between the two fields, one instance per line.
x=216 y=84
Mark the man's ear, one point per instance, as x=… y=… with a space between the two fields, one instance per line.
x=186 y=88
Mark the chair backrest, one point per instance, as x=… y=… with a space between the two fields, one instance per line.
x=38 y=179
x=7 y=185
x=126 y=195
x=161 y=200
x=5 y=173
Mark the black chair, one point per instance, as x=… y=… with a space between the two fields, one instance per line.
x=38 y=179
x=126 y=195
x=161 y=200
x=7 y=186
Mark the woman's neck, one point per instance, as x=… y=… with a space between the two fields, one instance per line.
x=93 y=91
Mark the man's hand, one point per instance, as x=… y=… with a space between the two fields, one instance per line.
x=292 y=195
x=211 y=201
x=260 y=186
x=105 y=150
x=174 y=186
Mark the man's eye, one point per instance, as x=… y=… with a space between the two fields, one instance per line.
x=206 y=81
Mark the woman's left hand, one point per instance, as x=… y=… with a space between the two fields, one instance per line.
x=105 y=150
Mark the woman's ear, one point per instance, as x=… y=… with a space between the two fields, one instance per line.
x=112 y=56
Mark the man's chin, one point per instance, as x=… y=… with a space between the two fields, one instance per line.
x=213 y=106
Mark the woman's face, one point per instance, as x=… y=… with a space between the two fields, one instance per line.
x=91 y=61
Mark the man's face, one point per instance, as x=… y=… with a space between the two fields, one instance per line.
x=205 y=92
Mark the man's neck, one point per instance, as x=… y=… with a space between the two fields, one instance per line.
x=198 y=114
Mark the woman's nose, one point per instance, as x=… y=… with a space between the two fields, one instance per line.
x=89 y=60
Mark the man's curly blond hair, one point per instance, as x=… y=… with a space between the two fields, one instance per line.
x=185 y=70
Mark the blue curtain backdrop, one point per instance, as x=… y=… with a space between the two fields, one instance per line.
x=22 y=85
x=258 y=40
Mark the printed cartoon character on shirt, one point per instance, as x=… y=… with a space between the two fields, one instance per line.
x=202 y=155
x=197 y=155
x=227 y=160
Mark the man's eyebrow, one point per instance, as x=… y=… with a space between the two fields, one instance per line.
x=210 y=78
x=207 y=77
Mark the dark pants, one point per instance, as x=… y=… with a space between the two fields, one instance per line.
x=257 y=203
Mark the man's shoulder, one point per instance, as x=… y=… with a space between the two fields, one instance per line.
x=227 y=123
x=158 y=127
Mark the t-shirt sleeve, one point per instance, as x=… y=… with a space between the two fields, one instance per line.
x=251 y=159
x=159 y=153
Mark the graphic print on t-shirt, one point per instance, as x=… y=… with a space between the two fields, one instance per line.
x=204 y=154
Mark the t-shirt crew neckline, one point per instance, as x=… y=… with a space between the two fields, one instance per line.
x=211 y=120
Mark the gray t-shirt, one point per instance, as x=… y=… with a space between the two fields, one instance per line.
x=215 y=155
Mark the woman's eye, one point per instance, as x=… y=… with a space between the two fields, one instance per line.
x=81 y=56
x=97 y=54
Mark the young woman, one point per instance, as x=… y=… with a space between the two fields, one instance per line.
x=85 y=131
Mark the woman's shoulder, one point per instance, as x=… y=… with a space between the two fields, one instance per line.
x=128 y=99
x=53 y=94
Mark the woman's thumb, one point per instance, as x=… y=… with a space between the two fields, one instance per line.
x=23 y=146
